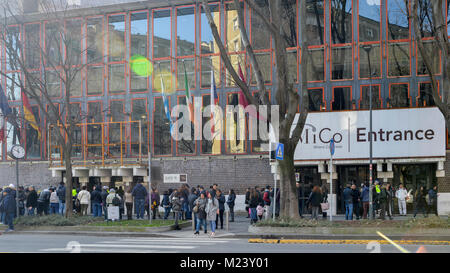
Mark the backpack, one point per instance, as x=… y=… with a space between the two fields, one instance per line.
x=116 y=201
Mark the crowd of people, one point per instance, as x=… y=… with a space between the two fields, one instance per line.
x=355 y=201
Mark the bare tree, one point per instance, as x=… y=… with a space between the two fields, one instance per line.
x=287 y=96
x=429 y=20
x=57 y=59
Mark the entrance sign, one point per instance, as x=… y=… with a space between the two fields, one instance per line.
x=279 y=154
x=175 y=178
x=415 y=132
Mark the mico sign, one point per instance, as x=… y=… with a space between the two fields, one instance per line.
x=415 y=132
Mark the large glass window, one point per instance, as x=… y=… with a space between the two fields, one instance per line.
x=233 y=35
x=433 y=52
x=12 y=130
x=399 y=95
x=398 y=33
x=364 y=102
x=94 y=40
x=236 y=60
x=33 y=46
x=289 y=21
x=185 y=31
x=235 y=132
x=53 y=83
x=259 y=141
x=116 y=131
x=94 y=129
x=13 y=86
x=162 y=33
x=207 y=64
x=11 y=49
x=260 y=37
x=116 y=78
x=73 y=41
x=33 y=143
x=342 y=98
x=369 y=33
x=316 y=99
x=341 y=25
x=315 y=35
x=139 y=112
x=138 y=47
x=208 y=44
x=162 y=72
x=185 y=146
x=162 y=140
x=52 y=48
x=76 y=116
x=94 y=80
x=425 y=97
x=116 y=53
x=187 y=65
x=265 y=64
x=209 y=146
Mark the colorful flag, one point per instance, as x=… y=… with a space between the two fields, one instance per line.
x=243 y=101
x=214 y=99
x=28 y=114
x=166 y=102
x=5 y=110
x=188 y=95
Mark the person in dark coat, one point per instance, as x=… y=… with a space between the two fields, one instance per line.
x=43 y=202
x=384 y=203
x=166 y=204
x=191 y=199
x=420 y=201
x=348 y=201
x=61 y=192
x=31 y=202
x=314 y=200
x=300 y=199
x=104 y=195
x=96 y=201
x=8 y=206
x=221 y=199
x=139 y=193
x=355 y=200
x=231 y=202
x=22 y=199
x=432 y=205
x=247 y=202
x=253 y=203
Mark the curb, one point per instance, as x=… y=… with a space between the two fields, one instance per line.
x=352 y=242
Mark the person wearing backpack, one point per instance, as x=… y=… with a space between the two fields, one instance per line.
x=113 y=199
x=166 y=204
x=61 y=192
x=43 y=202
x=231 y=202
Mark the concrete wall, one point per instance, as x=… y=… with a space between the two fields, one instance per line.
x=33 y=173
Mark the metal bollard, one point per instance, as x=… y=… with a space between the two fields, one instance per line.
x=193 y=221
x=227 y=218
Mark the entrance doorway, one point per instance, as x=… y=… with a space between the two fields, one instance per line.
x=93 y=181
x=308 y=177
x=413 y=176
x=352 y=174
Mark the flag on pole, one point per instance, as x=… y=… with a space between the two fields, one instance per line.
x=214 y=99
x=188 y=95
x=166 y=102
x=28 y=114
x=5 y=110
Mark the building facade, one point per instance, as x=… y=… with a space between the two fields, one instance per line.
x=124 y=111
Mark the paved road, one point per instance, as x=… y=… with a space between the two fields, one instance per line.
x=29 y=243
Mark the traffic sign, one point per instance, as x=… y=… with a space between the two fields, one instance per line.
x=332 y=146
x=279 y=154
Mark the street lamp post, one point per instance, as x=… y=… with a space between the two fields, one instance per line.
x=368 y=48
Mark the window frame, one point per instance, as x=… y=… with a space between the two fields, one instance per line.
x=225 y=128
x=124 y=60
x=129 y=49
x=100 y=64
x=409 y=95
x=145 y=99
x=192 y=127
x=81 y=71
x=153 y=128
x=361 y=94
x=352 y=107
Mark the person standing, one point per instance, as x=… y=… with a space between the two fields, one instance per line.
x=324 y=190
x=314 y=200
x=200 y=203
x=31 y=201
x=155 y=203
x=348 y=202
x=355 y=200
x=8 y=206
x=432 y=195
x=384 y=202
x=420 y=201
x=191 y=199
x=22 y=198
x=401 y=195
x=221 y=199
x=247 y=202
x=104 y=195
x=166 y=204
x=253 y=204
x=113 y=200
x=96 y=201
x=231 y=202
x=267 y=203
x=54 y=202
x=139 y=194
x=129 y=203
x=61 y=192
x=365 y=200
x=212 y=209
x=390 y=200
x=84 y=197
x=43 y=202
x=177 y=204
x=375 y=198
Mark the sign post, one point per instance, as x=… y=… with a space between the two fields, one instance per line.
x=332 y=148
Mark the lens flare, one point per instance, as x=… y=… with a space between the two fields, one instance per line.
x=141 y=65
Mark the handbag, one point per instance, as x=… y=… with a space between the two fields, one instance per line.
x=325 y=206
x=195 y=209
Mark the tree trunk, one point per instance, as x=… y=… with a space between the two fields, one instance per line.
x=68 y=176
x=289 y=207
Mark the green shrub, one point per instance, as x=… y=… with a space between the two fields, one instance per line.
x=55 y=220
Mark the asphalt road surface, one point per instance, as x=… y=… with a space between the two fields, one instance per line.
x=28 y=243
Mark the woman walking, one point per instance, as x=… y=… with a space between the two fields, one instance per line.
x=200 y=204
x=212 y=209
x=231 y=202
